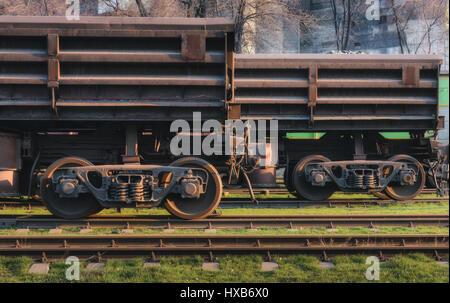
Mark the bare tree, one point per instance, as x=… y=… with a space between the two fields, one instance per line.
x=346 y=14
x=420 y=24
x=89 y=7
x=264 y=14
x=195 y=8
x=44 y=7
x=142 y=10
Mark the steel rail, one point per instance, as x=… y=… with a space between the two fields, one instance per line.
x=289 y=203
x=291 y=222
x=119 y=246
x=283 y=190
x=6 y=203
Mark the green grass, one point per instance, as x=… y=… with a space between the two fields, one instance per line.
x=392 y=208
x=243 y=231
x=293 y=269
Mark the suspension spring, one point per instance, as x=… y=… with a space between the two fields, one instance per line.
x=356 y=181
x=370 y=181
x=120 y=191
x=136 y=191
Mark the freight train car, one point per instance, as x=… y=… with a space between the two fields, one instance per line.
x=86 y=109
x=349 y=104
x=97 y=96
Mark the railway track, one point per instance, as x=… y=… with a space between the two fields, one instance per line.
x=284 y=191
x=291 y=222
x=262 y=203
x=119 y=246
x=290 y=203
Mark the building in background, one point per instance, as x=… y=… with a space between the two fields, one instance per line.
x=377 y=36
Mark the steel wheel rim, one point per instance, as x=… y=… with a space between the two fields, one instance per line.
x=289 y=184
x=398 y=192
x=67 y=208
x=207 y=203
x=306 y=190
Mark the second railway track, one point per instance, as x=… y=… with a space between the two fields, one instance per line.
x=291 y=222
x=130 y=246
x=262 y=203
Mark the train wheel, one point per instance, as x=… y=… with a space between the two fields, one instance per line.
x=405 y=192
x=207 y=203
x=304 y=188
x=288 y=182
x=67 y=208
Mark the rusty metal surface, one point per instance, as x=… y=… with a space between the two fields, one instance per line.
x=84 y=69
x=282 y=221
x=10 y=164
x=295 y=61
x=321 y=92
x=132 y=246
x=99 y=63
x=110 y=26
x=10 y=152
